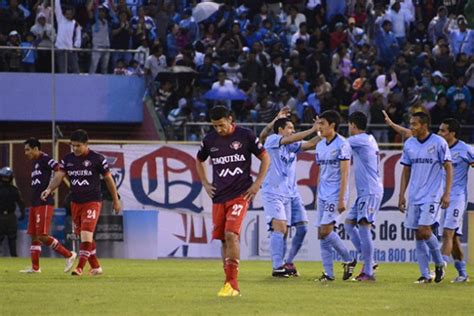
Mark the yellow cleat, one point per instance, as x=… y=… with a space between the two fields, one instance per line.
x=228 y=291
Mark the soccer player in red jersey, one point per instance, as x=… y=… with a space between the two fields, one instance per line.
x=41 y=212
x=230 y=148
x=84 y=168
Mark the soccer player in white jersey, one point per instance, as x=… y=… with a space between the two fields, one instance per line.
x=463 y=157
x=281 y=202
x=359 y=220
x=452 y=219
x=333 y=155
x=424 y=157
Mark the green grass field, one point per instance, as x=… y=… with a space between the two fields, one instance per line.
x=170 y=287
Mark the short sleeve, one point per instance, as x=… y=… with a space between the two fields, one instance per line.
x=62 y=165
x=444 y=154
x=203 y=152
x=273 y=141
x=470 y=155
x=52 y=164
x=255 y=146
x=405 y=160
x=344 y=151
x=103 y=165
x=295 y=147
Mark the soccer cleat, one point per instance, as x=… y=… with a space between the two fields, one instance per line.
x=375 y=266
x=324 y=278
x=422 y=280
x=228 y=291
x=364 y=278
x=440 y=272
x=96 y=271
x=460 y=279
x=291 y=268
x=77 y=272
x=70 y=262
x=348 y=269
x=280 y=272
x=30 y=270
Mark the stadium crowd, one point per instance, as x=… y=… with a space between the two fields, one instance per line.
x=346 y=55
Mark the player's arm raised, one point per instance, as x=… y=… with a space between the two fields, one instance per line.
x=404 y=132
x=109 y=182
x=262 y=172
x=345 y=165
x=267 y=130
x=54 y=184
x=402 y=204
x=296 y=137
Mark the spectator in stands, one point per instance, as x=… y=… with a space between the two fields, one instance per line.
x=461 y=40
x=12 y=18
x=458 y=93
x=45 y=36
x=189 y=24
x=143 y=25
x=222 y=81
x=441 y=109
x=232 y=69
x=120 y=68
x=13 y=56
x=252 y=70
x=121 y=37
x=361 y=105
x=387 y=45
x=171 y=41
x=437 y=25
x=143 y=51
x=101 y=38
x=69 y=36
x=207 y=72
x=301 y=34
x=400 y=22
x=44 y=8
x=266 y=109
x=28 y=56
x=338 y=37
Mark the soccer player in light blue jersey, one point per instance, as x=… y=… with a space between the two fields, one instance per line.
x=424 y=157
x=462 y=156
x=333 y=155
x=277 y=191
x=359 y=220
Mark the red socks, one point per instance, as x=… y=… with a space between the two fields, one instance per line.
x=84 y=254
x=35 y=251
x=231 y=272
x=56 y=246
x=93 y=261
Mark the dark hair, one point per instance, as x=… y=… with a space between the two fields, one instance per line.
x=453 y=126
x=80 y=136
x=280 y=123
x=359 y=120
x=361 y=94
x=32 y=142
x=332 y=117
x=423 y=117
x=218 y=112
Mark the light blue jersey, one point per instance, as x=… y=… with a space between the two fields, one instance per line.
x=282 y=157
x=328 y=158
x=426 y=159
x=463 y=156
x=366 y=160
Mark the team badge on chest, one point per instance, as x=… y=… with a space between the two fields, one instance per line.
x=236 y=145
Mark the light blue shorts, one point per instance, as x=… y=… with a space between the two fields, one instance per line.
x=453 y=216
x=327 y=213
x=276 y=207
x=427 y=214
x=366 y=206
x=298 y=211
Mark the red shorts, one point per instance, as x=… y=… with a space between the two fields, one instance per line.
x=85 y=216
x=39 y=220
x=228 y=216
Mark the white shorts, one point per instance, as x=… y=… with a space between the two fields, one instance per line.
x=365 y=207
x=427 y=214
x=327 y=213
x=276 y=207
x=453 y=216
